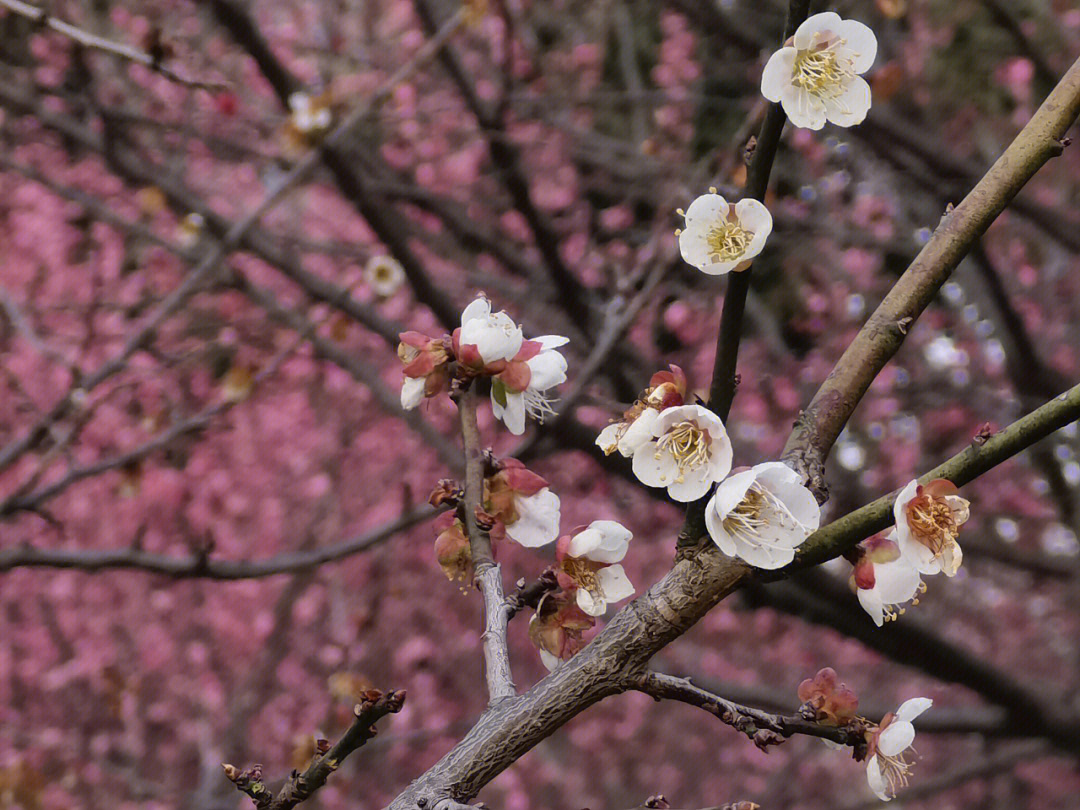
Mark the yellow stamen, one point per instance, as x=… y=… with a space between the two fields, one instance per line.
x=727 y=242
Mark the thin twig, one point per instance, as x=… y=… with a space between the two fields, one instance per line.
x=153 y=61
x=500 y=680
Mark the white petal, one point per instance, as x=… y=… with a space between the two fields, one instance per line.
x=720 y=457
x=548 y=370
x=910 y=709
x=730 y=493
x=551 y=341
x=719 y=267
x=538 y=519
x=412 y=392
x=707 y=210
x=901 y=502
x=951 y=558
x=877 y=779
x=896 y=582
x=550 y=661
x=896 y=737
x=614 y=583
x=777 y=74
x=614 y=541
x=800 y=503
x=754 y=216
x=851 y=106
x=608 y=439
x=639 y=432
x=653 y=471
x=695 y=484
x=593 y=607
x=804 y=34
x=478 y=309
x=860 y=41
x=803 y=109
x=583 y=542
x=513 y=414
x=762 y=557
x=714 y=522
x=871 y=602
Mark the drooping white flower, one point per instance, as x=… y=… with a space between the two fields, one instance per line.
x=486 y=337
x=884 y=579
x=589 y=564
x=521 y=388
x=816 y=75
x=719 y=237
x=384 y=275
x=689 y=451
x=928 y=521
x=762 y=515
x=307 y=116
x=523 y=506
x=886 y=768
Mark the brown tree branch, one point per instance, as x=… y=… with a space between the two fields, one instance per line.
x=883 y=334
x=764 y=728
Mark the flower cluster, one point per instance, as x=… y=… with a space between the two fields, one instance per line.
x=887 y=571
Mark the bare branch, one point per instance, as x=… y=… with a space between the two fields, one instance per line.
x=883 y=334
x=200 y=566
x=762 y=727
x=152 y=59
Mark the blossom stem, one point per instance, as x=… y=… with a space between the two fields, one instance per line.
x=500 y=680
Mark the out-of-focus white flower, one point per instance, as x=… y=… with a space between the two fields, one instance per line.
x=718 y=238
x=384 y=275
x=589 y=563
x=688 y=453
x=308 y=116
x=815 y=76
x=521 y=388
x=886 y=768
x=666 y=390
x=884 y=579
x=928 y=521
x=486 y=337
x=762 y=515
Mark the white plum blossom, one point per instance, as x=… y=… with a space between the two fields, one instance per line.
x=719 y=237
x=816 y=75
x=523 y=506
x=589 y=563
x=308 y=116
x=689 y=452
x=762 y=515
x=521 y=388
x=886 y=769
x=884 y=579
x=486 y=337
x=667 y=389
x=384 y=275
x=928 y=521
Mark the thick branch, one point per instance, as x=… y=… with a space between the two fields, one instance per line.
x=497 y=611
x=881 y=337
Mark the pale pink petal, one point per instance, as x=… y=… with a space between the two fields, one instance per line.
x=896 y=737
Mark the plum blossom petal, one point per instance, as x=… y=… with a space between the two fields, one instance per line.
x=604 y=541
x=494 y=334
x=412 y=392
x=538 y=519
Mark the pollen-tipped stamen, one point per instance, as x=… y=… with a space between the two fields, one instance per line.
x=688 y=445
x=727 y=241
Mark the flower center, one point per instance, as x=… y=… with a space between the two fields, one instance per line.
x=932 y=522
x=820 y=71
x=754 y=513
x=583 y=572
x=727 y=241
x=688 y=445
